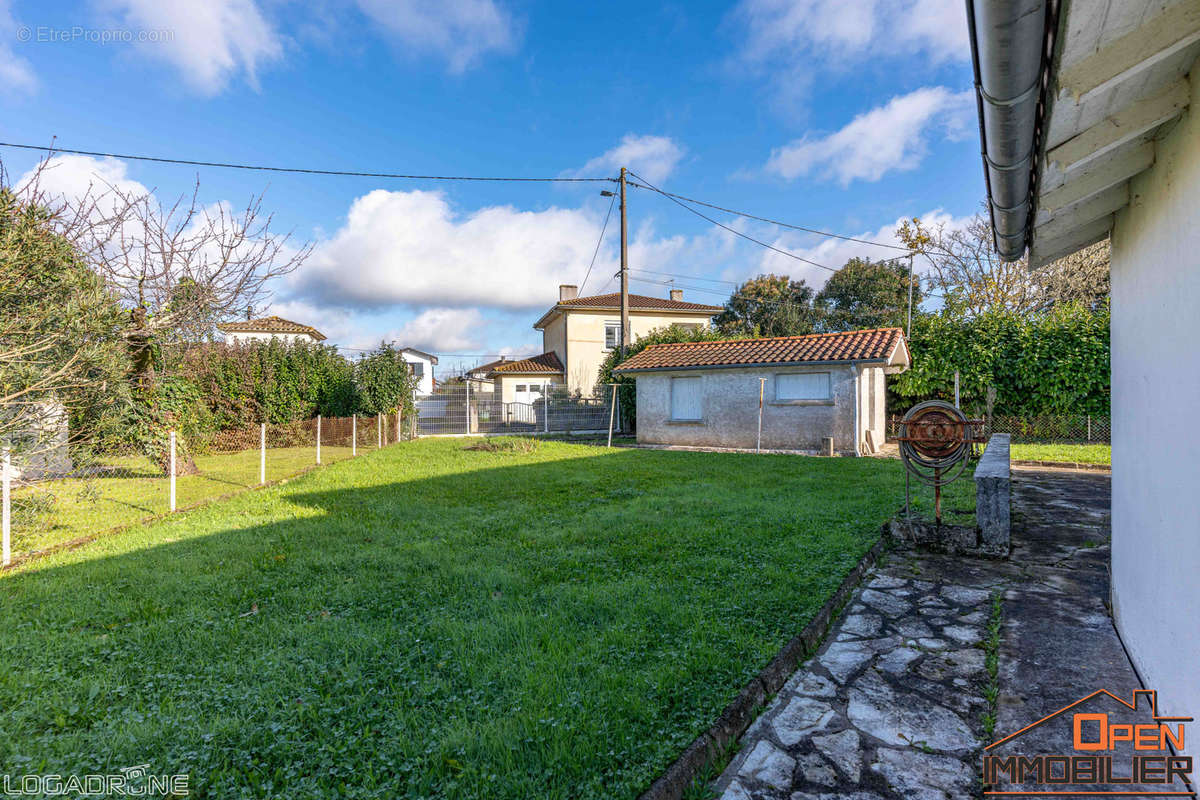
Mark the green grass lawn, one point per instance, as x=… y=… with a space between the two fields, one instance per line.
x=133 y=489
x=431 y=621
x=1073 y=453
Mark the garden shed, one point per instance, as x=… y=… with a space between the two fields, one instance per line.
x=813 y=389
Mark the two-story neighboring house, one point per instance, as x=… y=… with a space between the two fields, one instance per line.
x=577 y=334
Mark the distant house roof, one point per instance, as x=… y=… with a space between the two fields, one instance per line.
x=484 y=369
x=879 y=344
x=432 y=358
x=637 y=302
x=545 y=363
x=270 y=325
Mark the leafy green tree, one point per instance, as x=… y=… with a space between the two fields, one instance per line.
x=626 y=386
x=59 y=330
x=867 y=294
x=769 y=305
x=384 y=382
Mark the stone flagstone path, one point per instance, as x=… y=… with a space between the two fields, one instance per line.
x=892 y=706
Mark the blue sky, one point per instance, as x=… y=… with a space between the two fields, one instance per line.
x=845 y=115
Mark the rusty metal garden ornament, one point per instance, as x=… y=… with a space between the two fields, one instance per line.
x=935 y=440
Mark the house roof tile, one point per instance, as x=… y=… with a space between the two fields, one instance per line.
x=270 y=325
x=546 y=362
x=866 y=345
x=637 y=302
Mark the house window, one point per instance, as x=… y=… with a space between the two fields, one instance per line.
x=416 y=368
x=612 y=335
x=802 y=386
x=685 y=399
x=521 y=388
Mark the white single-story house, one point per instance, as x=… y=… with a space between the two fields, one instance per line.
x=813 y=388
x=1090 y=118
x=421 y=365
x=265 y=329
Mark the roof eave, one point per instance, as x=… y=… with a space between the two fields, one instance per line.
x=754 y=364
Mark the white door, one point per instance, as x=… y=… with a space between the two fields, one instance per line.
x=528 y=393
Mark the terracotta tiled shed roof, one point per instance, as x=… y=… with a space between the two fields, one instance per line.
x=270 y=325
x=869 y=345
x=546 y=362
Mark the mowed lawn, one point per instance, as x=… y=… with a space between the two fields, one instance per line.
x=132 y=489
x=1063 y=453
x=431 y=621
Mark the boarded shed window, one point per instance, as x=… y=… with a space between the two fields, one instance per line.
x=685 y=398
x=802 y=386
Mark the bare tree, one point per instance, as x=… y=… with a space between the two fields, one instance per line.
x=972 y=278
x=1082 y=277
x=175 y=268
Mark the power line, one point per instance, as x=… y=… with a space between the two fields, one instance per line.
x=748 y=215
x=599 y=241
x=303 y=170
x=734 y=231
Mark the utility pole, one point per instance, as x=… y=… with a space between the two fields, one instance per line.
x=624 y=272
x=910 y=282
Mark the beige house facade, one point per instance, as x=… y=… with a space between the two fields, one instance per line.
x=580 y=332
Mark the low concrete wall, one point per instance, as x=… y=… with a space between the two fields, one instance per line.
x=993 y=493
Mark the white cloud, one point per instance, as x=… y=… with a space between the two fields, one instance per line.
x=652 y=157
x=460 y=31
x=444 y=330
x=413 y=248
x=209 y=43
x=891 y=137
x=791 y=32
x=16 y=74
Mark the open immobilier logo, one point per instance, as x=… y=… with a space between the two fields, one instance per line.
x=1112 y=757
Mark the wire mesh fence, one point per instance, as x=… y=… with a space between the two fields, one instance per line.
x=1045 y=429
x=466 y=410
x=84 y=488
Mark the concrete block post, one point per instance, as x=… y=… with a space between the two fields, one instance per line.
x=993 y=493
x=171 y=467
x=6 y=502
x=262 y=453
x=354 y=435
x=379 y=431
x=318 y=438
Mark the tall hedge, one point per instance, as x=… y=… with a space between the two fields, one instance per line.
x=1055 y=362
x=273 y=382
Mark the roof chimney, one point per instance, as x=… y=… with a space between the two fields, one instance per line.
x=677 y=295
x=567 y=292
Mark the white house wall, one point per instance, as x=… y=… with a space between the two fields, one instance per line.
x=256 y=336
x=730 y=411
x=1155 y=400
